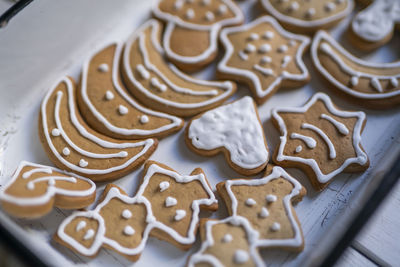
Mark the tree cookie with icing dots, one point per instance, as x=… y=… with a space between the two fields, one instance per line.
x=176 y=201
x=234 y=129
x=267 y=204
x=107 y=106
x=34 y=189
x=191 y=36
x=374 y=26
x=159 y=84
x=264 y=56
x=73 y=146
x=374 y=85
x=308 y=16
x=320 y=139
x=228 y=242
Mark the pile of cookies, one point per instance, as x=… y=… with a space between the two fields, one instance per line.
x=131 y=95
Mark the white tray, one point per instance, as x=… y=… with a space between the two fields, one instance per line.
x=50 y=39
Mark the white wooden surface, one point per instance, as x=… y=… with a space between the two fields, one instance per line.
x=352 y=258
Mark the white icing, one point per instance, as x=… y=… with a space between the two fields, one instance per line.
x=309 y=141
x=109 y=95
x=360 y=158
x=339 y=126
x=354 y=81
x=330 y=6
x=144 y=74
x=241 y=256
x=126 y=214
x=28 y=174
x=285 y=61
x=376 y=84
x=298 y=149
x=275 y=227
x=227 y=238
x=55 y=132
x=250 y=48
x=190 y=13
x=250 y=202
x=264 y=213
x=103 y=67
x=222 y=9
x=224 y=127
x=51 y=181
x=292 y=42
x=293 y=6
x=209 y=16
x=243 y=55
x=178 y=4
x=206 y=2
x=253 y=36
x=260 y=90
x=170 y=201
x=128 y=230
x=322 y=134
x=268 y=35
x=122 y=110
x=265 y=60
x=80 y=226
x=89 y=234
x=83 y=163
x=310 y=12
x=394 y=82
x=164 y=186
x=265 y=71
x=179 y=215
x=264 y=48
x=271 y=198
x=283 y=48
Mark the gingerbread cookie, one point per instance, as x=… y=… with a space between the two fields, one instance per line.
x=73 y=146
x=229 y=242
x=34 y=189
x=264 y=56
x=160 y=85
x=267 y=204
x=234 y=129
x=320 y=139
x=190 y=37
x=176 y=201
x=308 y=16
x=377 y=85
x=119 y=223
x=374 y=26
x=108 y=108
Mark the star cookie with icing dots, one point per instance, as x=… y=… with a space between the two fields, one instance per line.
x=264 y=56
x=175 y=201
x=267 y=205
x=320 y=139
x=229 y=242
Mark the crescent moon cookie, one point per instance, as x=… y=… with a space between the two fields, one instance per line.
x=73 y=146
x=308 y=16
x=109 y=109
x=374 y=26
x=267 y=204
x=190 y=37
x=34 y=189
x=119 y=222
x=175 y=202
x=234 y=129
x=377 y=85
x=228 y=242
x=320 y=139
x=160 y=84
x=264 y=56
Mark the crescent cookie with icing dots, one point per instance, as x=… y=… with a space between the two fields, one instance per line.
x=228 y=242
x=264 y=56
x=192 y=27
x=107 y=106
x=374 y=25
x=374 y=85
x=159 y=84
x=320 y=139
x=267 y=204
x=234 y=129
x=73 y=146
x=166 y=206
x=34 y=189
x=308 y=16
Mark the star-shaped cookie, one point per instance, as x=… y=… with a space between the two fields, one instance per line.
x=320 y=139
x=267 y=204
x=264 y=56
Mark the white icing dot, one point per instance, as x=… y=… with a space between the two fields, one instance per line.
x=83 y=163
x=126 y=214
x=80 y=226
x=144 y=119
x=66 y=151
x=30 y=185
x=179 y=215
x=394 y=82
x=268 y=35
x=250 y=202
x=109 y=95
x=51 y=182
x=310 y=12
x=122 y=109
x=265 y=60
x=178 y=4
x=250 y=48
x=209 y=16
x=376 y=84
x=354 y=81
x=143 y=71
x=298 y=149
x=189 y=13
x=156 y=83
x=271 y=198
x=240 y=256
x=339 y=1
x=253 y=37
x=264 y=48
x=206 y=2
x=222 y=9
x=164 y=186
x=330 y=6
x=285 y=61
x=243 y=56
x=292 y=43
x=103 y=67
x=128 y=230
x=275 y=227
x=170 y=201
x=89 y=234
x=293 y=6
x=227 y=238
x=282 y=49
x=55 y=132
x=264 y=213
